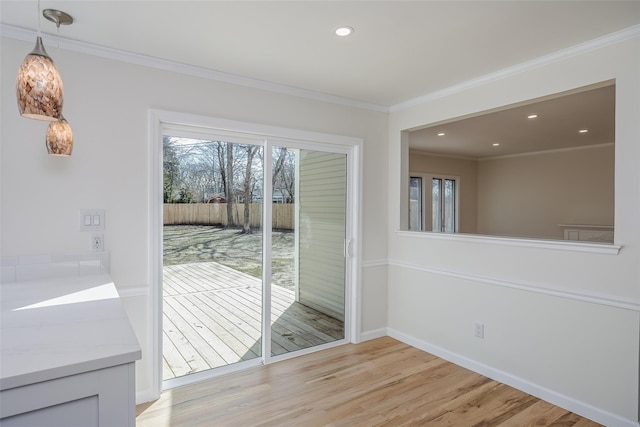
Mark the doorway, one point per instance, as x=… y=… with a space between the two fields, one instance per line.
x=231 y=292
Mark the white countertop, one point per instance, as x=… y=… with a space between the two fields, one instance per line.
x=63 y=326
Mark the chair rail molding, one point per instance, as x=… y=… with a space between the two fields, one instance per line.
x=632 y=304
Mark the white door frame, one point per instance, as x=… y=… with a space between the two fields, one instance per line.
x=159 y=120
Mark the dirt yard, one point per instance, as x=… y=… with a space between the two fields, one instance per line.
x=184 y=244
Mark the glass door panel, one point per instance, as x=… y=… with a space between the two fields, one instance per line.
x=212 y=254
x=308 y=250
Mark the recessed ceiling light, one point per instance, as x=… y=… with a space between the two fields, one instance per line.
x=495 y=144
x=441 y=134
x=344 y=31
x=583 y=130
x=532 y=116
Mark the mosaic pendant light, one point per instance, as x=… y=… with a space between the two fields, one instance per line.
x=59 y=138
x=39 y=86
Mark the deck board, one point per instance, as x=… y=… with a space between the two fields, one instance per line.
x=212 y=317
x=199 y=338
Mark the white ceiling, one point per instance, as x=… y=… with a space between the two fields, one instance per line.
x=399 y=50
x=557 y=125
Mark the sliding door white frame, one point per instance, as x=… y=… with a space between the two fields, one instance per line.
x=161 y=121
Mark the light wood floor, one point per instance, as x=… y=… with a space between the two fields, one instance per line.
x=379 y=382
x=212 y=316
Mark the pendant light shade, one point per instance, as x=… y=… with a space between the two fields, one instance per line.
x=39 y=86
x=59 y=138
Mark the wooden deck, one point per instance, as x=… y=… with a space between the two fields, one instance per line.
x=212 y=317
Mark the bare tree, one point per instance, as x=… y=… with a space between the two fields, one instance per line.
x=251 y=151
x=171 y=166
x=283 y=169
x=195 y=170
x=187 y=168
x=220 y=156
x=284 y=175
x=278 y=164
x=229 y=186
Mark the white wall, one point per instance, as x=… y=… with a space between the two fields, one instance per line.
x=530 y=195
x=107 y=103
x=559 y=323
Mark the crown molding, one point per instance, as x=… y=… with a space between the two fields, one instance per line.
x=23 y=34
x=543 y=152
x=422 y=152
x=609 y=39
x=26 y=35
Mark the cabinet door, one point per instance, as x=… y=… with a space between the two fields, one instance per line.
x=81 y=412
x=105 y=397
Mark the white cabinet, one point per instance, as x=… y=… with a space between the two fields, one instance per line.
x=68 y=354
x=97 y=398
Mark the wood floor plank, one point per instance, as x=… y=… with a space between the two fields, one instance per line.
x=374 y=399
x=540 y=414
x=492 y=408
x=377 y=383
x=567 y=420
x=418 y=403
x=446 y=394
x=586 y=423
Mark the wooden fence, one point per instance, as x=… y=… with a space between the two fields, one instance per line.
x=216 y=214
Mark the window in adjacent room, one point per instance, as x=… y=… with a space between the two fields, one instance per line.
x=415 y=203
x=433 y=207
x=443 y=202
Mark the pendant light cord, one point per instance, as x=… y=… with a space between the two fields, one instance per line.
x=38 y=15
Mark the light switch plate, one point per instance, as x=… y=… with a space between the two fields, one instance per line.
x=91 y=219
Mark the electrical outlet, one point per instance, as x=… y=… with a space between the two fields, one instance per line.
x=97 y=243
x=479 y=330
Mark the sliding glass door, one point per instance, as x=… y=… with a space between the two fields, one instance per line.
x=233 y=291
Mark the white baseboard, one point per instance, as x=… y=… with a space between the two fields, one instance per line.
x=133 y=291
x=371 y=335
x=566 y=402
x=146 y=395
